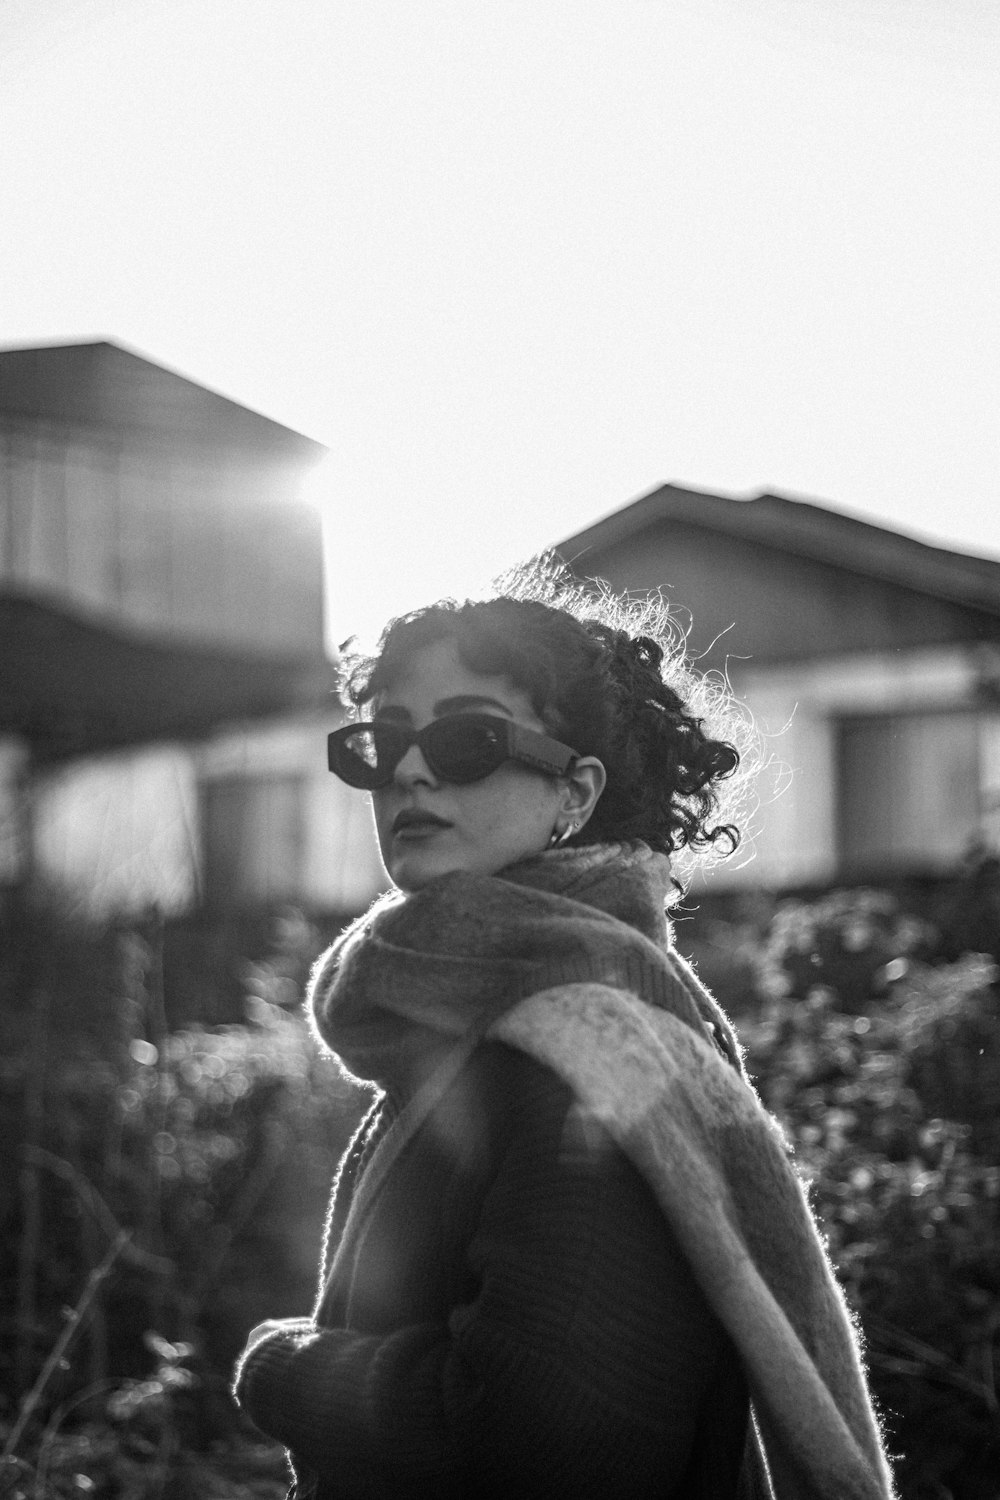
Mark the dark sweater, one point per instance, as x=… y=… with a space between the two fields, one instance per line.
x=511 y=1317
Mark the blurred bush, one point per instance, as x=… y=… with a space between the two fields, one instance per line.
x=204 y=1154
x=884 y=1070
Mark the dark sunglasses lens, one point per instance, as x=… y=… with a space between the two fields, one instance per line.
x=465 y=748
x=367 y=755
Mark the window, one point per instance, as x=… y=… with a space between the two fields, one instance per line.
x=252 y=839
x=914 y=788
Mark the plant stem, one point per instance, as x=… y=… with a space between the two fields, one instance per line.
x=62 y=1344
x=31 y=1196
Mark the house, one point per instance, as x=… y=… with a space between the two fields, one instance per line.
x=164 y=692
x=871 y=660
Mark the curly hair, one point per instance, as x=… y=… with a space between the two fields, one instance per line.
x=607 y=674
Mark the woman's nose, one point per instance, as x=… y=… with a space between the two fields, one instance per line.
x=413 y=769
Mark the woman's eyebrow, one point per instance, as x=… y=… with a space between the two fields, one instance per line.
x=462 y=702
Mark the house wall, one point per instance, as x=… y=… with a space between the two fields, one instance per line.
x=337 y=861
x=120 y=832
x=800 y=708
x=179 y=540
x=14 y=821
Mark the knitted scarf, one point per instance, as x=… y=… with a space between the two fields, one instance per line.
x=568 y=958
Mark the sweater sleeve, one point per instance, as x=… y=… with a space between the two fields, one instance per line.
x=580 y=1365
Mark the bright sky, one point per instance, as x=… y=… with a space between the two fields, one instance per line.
x=519 y=261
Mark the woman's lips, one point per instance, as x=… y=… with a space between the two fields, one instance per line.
x=417 y=825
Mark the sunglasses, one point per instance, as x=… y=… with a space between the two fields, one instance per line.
x=458 y=748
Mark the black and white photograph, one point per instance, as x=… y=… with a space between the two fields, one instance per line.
x=500 y=749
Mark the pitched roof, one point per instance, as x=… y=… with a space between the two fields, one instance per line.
x=804 y=529
x=104 y=384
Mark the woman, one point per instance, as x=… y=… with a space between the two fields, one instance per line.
x=566 y=1246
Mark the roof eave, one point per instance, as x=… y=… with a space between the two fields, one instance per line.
x=803 y=529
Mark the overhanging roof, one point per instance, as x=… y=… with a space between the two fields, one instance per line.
x=805 y=530
x=76 y=687
x=106 y=385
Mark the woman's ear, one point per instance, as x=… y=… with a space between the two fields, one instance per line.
x=585 y=781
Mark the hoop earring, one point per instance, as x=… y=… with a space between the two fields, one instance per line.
x=560 y=836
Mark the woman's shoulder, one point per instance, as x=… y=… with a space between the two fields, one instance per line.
x=512 y=1091
x=530 y=1118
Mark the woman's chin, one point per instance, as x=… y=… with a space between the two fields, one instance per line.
x=412 y=868
x=413 y=863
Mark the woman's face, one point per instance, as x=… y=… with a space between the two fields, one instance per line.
x=427 y=827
